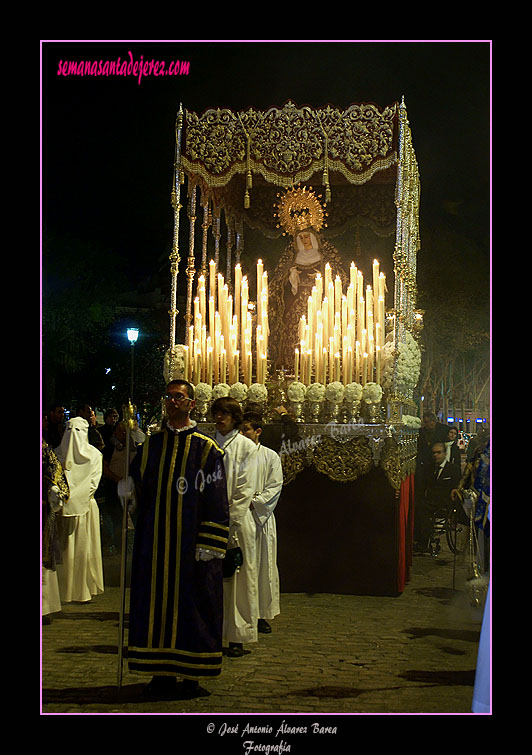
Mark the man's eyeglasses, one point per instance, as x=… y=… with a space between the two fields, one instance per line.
x=177 y=397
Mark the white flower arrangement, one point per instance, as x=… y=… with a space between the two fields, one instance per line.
x=335 y=392
x=221 y=390
x=257 y=393
x=238 y=391
x=296 y=391
x=372 y=393
x=353 y=392
x=408 y=366
x=316 y=392
x=410 y=421
x=174 y=363
x=203 y=392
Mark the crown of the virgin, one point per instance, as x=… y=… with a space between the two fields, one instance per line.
x=300 y=208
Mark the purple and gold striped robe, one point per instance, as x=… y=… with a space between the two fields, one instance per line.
x=176 y=602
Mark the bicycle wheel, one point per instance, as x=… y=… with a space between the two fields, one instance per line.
x=438 y=528
x=457 y=534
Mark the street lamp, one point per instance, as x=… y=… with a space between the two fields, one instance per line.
x=132 y=335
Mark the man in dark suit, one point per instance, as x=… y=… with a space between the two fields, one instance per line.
x=436 y=496
x=429 y=433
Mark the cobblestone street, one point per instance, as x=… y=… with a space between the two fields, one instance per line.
x=327 y=654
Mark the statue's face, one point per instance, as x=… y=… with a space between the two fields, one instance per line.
x=306 y=239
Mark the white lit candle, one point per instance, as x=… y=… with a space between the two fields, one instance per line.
x=361 y=317
x=209 y=365
x=244 y=307
x=202 y=301
x=212 y=318
x=375 y=268
x=319 y=287
x=344 y=315
x=187 y=377
x=349 y=375
x=223 y=367
x=197 y=361
x=337 y=294
x=248 y=369
x=350 y=296
x=325 y=319
x=238 y=292
x=328 y=277
x=260 y=270
x=337 y=366
x=330 y=300
x=212 y=279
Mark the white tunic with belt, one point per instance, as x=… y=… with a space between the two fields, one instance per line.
x=240 y=590
x=269 y=487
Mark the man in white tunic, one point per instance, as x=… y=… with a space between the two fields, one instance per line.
x=80 y=575
x=269 y=488
x=240 y=590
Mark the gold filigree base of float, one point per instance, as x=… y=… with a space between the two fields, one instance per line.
x=346 y=452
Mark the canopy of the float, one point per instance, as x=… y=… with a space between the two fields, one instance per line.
x=230 y=167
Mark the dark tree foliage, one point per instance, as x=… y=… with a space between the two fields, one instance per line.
x=453 y=291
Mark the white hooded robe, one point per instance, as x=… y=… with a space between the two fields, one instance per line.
x=80 y=575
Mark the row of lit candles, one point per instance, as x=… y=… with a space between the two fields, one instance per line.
x=342 y=336
x=226 y=345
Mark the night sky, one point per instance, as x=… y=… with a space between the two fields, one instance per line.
x=108 y=142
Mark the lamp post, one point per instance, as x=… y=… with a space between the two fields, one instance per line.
x=132 y=335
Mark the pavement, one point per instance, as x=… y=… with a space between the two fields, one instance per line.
x=327 y=655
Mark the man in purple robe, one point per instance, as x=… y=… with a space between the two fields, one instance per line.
x=176 y=603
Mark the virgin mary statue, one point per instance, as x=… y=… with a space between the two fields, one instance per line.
x=302 y=215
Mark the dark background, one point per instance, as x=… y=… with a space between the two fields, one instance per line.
x=107 y=163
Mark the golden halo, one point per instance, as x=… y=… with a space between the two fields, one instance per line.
x=299 y=209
